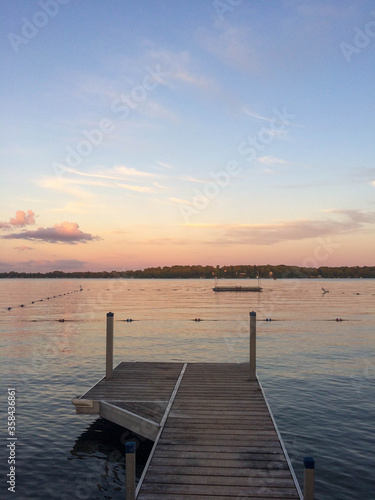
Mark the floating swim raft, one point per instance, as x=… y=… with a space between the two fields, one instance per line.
x=237 y=289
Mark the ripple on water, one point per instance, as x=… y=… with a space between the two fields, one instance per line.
x=318 y=374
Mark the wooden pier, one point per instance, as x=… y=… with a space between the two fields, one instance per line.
x=214 y=435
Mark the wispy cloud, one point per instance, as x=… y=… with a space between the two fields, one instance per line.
x=180 y=67
x=322 y=10
x=357 y=216
x=138 y=189
x=301 y=229
x=64 y=232
x=180 y=201
x=81 y=207
x=23 y=248
x=167 y=241
x=164 y=164
x=64 y=185
x=251 y=114
x=118 y=172
x=232 y=45
x=153 y=109
x=188 y=178
x=73 y=182
x=132 y=172
x=271 y=160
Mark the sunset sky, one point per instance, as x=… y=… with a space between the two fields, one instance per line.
x=149 y=133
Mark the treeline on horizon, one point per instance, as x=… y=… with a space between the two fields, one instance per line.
x=206 y=272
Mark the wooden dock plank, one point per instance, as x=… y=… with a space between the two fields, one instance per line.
x=205 y=473
x=232 y=462
x=219 y=480
x=140 y=425
x=137 y=382
x=214 y=435
x=136 y=397
x=202 y=490
x=219 y=441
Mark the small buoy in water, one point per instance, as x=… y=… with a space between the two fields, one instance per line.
x=9 y=308
x=32 y=302
x=22 y=305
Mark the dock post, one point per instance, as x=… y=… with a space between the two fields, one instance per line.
x=109 y=347
x=253 y=329
x=308 y=487
x=130 y=470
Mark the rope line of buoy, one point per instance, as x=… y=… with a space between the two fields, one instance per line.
x=196 y=320
x=47 y=298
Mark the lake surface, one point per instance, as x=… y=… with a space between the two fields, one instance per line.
x=318 y=373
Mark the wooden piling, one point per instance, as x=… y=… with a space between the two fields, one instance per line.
x=253 y=319
x=109 y=347
x=130 y=470
x=308 y=490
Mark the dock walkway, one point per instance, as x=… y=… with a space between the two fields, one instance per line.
x=214 y=436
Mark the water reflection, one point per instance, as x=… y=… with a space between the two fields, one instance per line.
x=106 y=440
x=102 y=447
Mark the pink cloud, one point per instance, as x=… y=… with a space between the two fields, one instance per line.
x=65 y=232
x=268 y=234
x=23 y=248
x=21 y=219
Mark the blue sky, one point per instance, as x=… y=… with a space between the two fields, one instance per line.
x=118 y=118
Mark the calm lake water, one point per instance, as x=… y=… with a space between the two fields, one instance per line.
x=318 y=373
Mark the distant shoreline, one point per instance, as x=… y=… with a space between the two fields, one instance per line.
x=210 y=272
